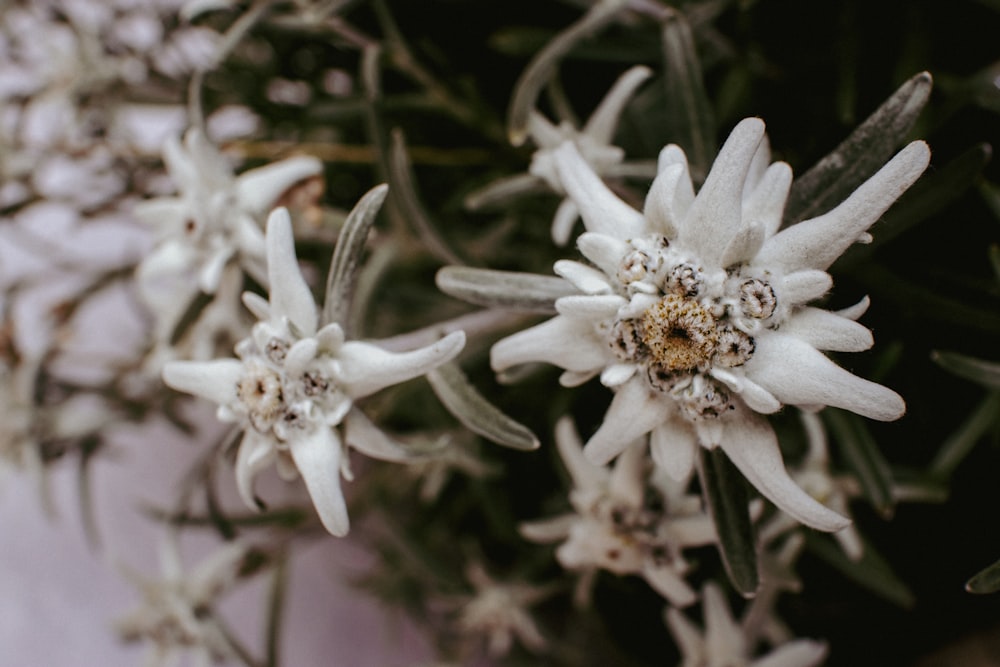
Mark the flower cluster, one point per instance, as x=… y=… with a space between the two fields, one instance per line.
x=695 y=311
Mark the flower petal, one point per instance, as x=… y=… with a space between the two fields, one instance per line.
x=797 y=374
x=626 y=483
x=364 y=436
x=716 y=214
x=603 y=250
x=635 y=411
x=669 y=198
x=590 y=307
x=672 y=445
x=214 y=380
x=585 y=475
x=585 y=278
x=317 y=455
x=562 y=223
x=602 y=123
x=797 y=653
x=289 y=295
x=816 y=243
x=750 y=443
x=601 y=209
x=803 y=286
x=546 y=531
x=257 y=190
x=547 y=342
x=828 y=331
x=256 y=452
x=365 y=368
x=668 y=583
x=766 y=202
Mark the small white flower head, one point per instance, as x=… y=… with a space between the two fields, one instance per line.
x=499 y=613
x=177 y=611
x=295 y=382
x=593 y=141
x=695 y=310
x=723 y=643
x=624 y=522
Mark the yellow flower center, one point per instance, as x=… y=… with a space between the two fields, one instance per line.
x=679 y=333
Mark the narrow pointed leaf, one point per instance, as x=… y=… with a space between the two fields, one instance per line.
x=690 y=112
x=861 y=154
x=870 y=571
x=480 y=416
x=980 y=371
x=961 y=441
x=728 y=502
x=864 y=458
x=503 y=289
x=346 y=260
x=987 y=581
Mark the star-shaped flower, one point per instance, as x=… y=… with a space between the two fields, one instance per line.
x=214 y=219
x=723 y=644
x=593 y=141
x=695 y=311
x=614 y=529
x=296 y=381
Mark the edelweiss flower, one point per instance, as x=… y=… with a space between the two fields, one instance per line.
x=723 y=643
x=214 y=219
x=176 y=614
x=499 y=612
x=615 y=529
x=593 y=143
x=696 y=311
x=297 y=379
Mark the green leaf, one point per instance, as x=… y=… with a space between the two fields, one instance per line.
x=728 y=502
x=860 y=155
x=540 y=69
x=980 y=371
x=962 y=440
x=480 y=416
x=690 y=113
x=870 y=571
x=986 y=581
x=346 y=260
x=864 y=458
x=503 y=289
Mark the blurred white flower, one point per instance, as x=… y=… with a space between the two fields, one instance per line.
x=177 y=608
x=213 y=220
x=593 y=142
x=296 y=379
x=499 y=612
x=722 y=643
x=696 y=311
x=615 y=528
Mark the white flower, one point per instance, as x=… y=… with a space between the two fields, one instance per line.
x=696 y=311
x=177 y=609
x=615 y=529
x=723 y=643
x=499 y=612
x=593 y=142
x=296 y=380
x=214 y=219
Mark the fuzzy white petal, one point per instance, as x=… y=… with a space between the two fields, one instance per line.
x=317 y=455
x=367 y=368
x=828 y=331
x=214 y=380
x=603 y=250
x=255 y=453
x=547 y=342
x=601 y=209
x=364 y=436
x=585 y=475
x=750 y=443
x=804 y=286
x=669 y=199
x=669 y=584
x=259 y=189
x=816 y=243
x=585 y=278
x=635 y=411
x=602 y=123
x=289 y=294
x=547 y=531
x=626 y=483
x=798 y=653
x=766 y=203
x=797 y=374
x=562 y=223
x=716 y=214
x=590 y=307
x=672 y=445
